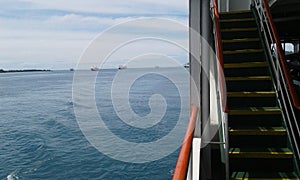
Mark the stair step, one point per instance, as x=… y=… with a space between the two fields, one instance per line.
x=236 y=121
x=258 y=137
x=246 y=69
x=261 y=131
x=244 y=51
x=254 y=117
x=260 y=153
x=238 y=23
x=238 y=29
x=237 y=20
x=238 y=86
x=246 y=65
x=244 y=56
x=238 y=33
x=261 y=164
x=239 y=44
x=256 y=111
x=241 y=40
x=236 y=12
x=254 y=175
x=251 y=94
x=251 y=99
x=250 y=78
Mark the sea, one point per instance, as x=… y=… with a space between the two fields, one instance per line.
x=41 y=137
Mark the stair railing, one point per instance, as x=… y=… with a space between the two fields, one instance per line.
x=220 y=88
x=183 y=162
x=284 y=86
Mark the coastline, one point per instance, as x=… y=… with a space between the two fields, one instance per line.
x=26 y=70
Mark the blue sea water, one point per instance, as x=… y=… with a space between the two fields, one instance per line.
x=41 y=139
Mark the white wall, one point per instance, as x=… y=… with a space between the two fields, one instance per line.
x=236 y=5
x=223 y=5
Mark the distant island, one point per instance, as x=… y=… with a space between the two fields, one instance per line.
x=25 y=70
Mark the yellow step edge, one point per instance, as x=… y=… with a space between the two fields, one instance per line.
x=240 y=40
x=238 y=29
x=237 y=20
x=246 y=65
x=236 y=12
x=250 y=78
x=243 y=51
x=261 y=132
x=255 y=112
x=251 y=94
x=264 y=155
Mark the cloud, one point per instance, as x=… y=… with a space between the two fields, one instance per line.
x=114 y=6
x=80 y=22
x=149 y=50
x=55 y=33
x=41 y=47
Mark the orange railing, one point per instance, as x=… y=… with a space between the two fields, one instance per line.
x=294 y=95
x=184 y=156
x=220 y=55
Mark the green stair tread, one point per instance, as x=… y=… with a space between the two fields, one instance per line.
x=264 y=176
x=236 y=20
x=252 y=94
x=255 y=111
x=258 y=131
x=249 y=78
x=243 y=51
x=238 y=29
x=241 y=40
x=245 y=65
x=264 y=153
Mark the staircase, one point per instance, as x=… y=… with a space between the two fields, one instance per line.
x=258 y=140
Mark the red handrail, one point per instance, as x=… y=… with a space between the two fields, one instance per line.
x=287 y=75
x=220 y=54
x=184 y=156
x=218 y=33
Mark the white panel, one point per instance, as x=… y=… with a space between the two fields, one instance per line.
x=236 y=5
x=223 y=5
x=196 y=158
x=214 y=116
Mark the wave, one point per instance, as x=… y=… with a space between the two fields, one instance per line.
x=12 y=176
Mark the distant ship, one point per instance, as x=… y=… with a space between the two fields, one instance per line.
x=187 y=65
x=95 y=69
x=71 y=69
x=122 y=67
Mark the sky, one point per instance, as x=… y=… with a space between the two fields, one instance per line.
x=53 y=34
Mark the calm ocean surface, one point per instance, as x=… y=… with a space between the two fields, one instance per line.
x=40 y=137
